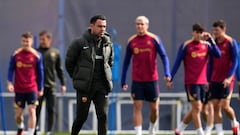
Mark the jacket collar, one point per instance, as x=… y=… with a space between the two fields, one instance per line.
x=92 y=38
x=89 y=36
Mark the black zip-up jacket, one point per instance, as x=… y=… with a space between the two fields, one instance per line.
x=80 y=61
x=52 y=66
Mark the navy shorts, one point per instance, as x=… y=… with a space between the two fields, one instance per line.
x=148 y=91
x=22 y=98
x=217 y=91
x=196 y=92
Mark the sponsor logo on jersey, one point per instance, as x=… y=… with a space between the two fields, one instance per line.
x=195 y=54
x=141 y=50
x=23 y=65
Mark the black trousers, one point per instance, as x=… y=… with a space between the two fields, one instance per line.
x=100 y=101
x=50 y=97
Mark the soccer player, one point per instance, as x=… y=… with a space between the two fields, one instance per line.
x=222 y=77
x=52 y=68
x=195 y=54
x=25 y=78
x=144 y=47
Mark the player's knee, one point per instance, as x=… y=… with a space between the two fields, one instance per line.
x=154 y=110
x=18 y=118
x=197 y=108
x=137 y=108
x=32 y=110
x=205 y=113
x=226 y=108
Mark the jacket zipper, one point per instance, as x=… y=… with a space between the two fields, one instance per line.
x=93 y=54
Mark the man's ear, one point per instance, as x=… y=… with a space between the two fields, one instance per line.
x=91 y=25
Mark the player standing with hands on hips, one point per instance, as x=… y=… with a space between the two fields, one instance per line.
x=144 y=47
x=25 y=78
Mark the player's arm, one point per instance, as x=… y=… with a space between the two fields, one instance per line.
x=180 y=55
x=234 y=58
x=234 y=55
x=126 y=63
x=238 y=76
x=11 y=69
x=238 y=73
x=179 y=58
x=161 y=51
x=72 y=55
x=40 y=73
x=213 y=48
x=60 y=73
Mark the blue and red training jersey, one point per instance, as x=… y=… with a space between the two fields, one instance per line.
x=26 y=71
x=144 y=51
x=195 y=56
x=225 y=66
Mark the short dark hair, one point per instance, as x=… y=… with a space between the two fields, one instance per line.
x=198 y=27
x=45 y=32
x=97 y=17
x=27 y=35
x=219 y=23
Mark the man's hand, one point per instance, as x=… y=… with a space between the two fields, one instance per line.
x=227 y=82
x=168 y=82
x=40 y=93
x=10 y=86
x=169 y=85
x=63 y=89
x=207 y=35
x=168 y=79
x=125 y=87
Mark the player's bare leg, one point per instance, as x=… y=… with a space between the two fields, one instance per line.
x=225 y=105
x=209 y=117
x=183 y=125
x=137 y=116
x=196 y=110
x=19 y=120
x=188 y=117
x=31 y=119
x=154 y=112
x=217 y=116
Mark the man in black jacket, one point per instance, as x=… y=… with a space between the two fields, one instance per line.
x=88 y=62
x=52 y=67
